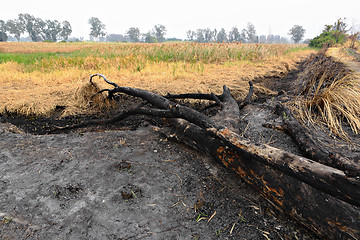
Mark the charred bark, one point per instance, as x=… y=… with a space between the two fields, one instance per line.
x=300 y=187
x=312 y=147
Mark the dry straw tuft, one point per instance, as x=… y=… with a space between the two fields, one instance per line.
x=329 y=94
x=86 y=98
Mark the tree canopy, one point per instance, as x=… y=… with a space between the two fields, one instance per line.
x=134 y=34
x=297 y=33
x=38 y=29
x=97 y=28
x=159 y=32
x=234 y=35
x=332 y=34
x=3 y=35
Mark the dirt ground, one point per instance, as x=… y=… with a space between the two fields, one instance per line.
x=131 y=182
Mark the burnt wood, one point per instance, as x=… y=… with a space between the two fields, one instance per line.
x=320 y=196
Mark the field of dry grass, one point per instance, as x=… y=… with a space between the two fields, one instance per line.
x=37 y=77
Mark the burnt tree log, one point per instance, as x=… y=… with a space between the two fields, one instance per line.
x=312 y=147
x=322 y=198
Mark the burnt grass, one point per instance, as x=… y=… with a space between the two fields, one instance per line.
x=129 y=181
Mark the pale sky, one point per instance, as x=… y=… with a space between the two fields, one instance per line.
x=268 y=16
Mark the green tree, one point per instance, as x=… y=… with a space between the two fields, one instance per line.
x=15 y=27
x=297 y=33
x=209 y=36
x=3 y=35
x=339 y=28
x=244 y=36
x=328 y=28
x=191 y=35
x=251 y=33
x=200 y=35
x=149 y=38
x=234 y=35
x=116 y=38
x=41 y=29
x=134 y=34
x=325 y=39
x=97 y=29
x=32 y=26
x=52 y=29
x=221 y=36
x=332 y=34
x=66 y=30
x=159 y=32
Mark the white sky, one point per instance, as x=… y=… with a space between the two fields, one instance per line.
x=268 y=16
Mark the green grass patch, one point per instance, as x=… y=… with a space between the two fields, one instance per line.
x=137 y=56
x=44 y=61
x=26 y=58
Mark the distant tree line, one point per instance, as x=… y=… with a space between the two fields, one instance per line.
x=98 y=32
x=207 y=35
x=157 y=34
x=246 y=35
x=38 y=29
x=53 y=30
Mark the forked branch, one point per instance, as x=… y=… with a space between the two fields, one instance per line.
x=221 y=127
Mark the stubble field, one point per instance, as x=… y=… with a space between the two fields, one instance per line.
x=36 y=78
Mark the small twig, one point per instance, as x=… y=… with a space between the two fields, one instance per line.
x=177 y=203
x=212 y=216
x=232 y=229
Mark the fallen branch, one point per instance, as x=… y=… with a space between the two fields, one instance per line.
x=313 y=147
x=278 y=175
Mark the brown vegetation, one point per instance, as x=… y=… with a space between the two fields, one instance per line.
x=39 y=87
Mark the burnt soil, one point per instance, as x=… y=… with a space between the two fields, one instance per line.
x=128 y=181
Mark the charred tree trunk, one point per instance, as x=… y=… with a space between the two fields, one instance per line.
x=296 y=192
x=321 y=197
x=313 y=147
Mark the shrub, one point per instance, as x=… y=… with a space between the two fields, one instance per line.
x=327 y=38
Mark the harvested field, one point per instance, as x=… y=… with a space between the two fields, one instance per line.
x=53 y=80
x=134 y=179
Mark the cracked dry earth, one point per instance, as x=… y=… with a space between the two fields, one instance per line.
x=125 y=184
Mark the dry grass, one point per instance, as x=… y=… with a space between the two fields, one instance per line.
x=45 y=47
x=329 y=96
x=35 y=86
